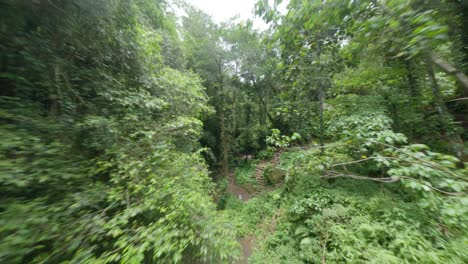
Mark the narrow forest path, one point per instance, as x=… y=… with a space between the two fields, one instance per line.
x=244 y=195
x=237 y=190
x=240 y=192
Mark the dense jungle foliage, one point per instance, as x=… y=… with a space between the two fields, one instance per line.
x=124 y=125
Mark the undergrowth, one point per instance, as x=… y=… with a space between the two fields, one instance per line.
x=369 y=196
x=315 y=220
x=245 y=217
x=345 y=222
x=245 y=173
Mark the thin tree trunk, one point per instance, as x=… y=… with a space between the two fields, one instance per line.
x=54 y=96
x=321 y=97
x=440 y=105
x=223 y=132
x=414 y=91
x=224 y=147
x=412 y=83
x=396 y=117
x=454 y=138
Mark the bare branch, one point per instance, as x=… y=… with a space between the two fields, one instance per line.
x=450 y=69
x=424 y=162
x=458 y=99
x=352 y=162
x=431 y=187
x=334 y=174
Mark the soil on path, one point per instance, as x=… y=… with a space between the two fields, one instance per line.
x=244 y=196
x=237 y=190
x=247 y=247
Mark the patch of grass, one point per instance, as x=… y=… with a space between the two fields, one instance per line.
x=245 y=174
x=245 y=217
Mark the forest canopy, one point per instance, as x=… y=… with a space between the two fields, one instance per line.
x=143 y=131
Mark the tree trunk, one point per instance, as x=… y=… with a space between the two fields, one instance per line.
x=454 y=138
x=321 y=98
x=222 y=124
x=224 y=145
x=54 y=95
x=440 y=105
x=414 y=91
x=412 y=82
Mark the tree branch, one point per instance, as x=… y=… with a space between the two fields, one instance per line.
x=450 y=69
x=458 y=99
x=427 y=163
x=352 y=162
x=334 y=174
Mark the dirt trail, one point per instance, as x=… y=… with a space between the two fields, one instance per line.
x=244 y=196
x=237 y=190
x=247 y=248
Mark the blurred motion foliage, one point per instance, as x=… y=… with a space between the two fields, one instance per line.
x=113 y=113
x=100 y=121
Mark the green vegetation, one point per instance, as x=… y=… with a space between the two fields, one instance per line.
x=245 y=173
x=325 y=213
x=126 y=131
x=100 y=160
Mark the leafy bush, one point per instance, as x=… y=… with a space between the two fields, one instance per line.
x=281 y=141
